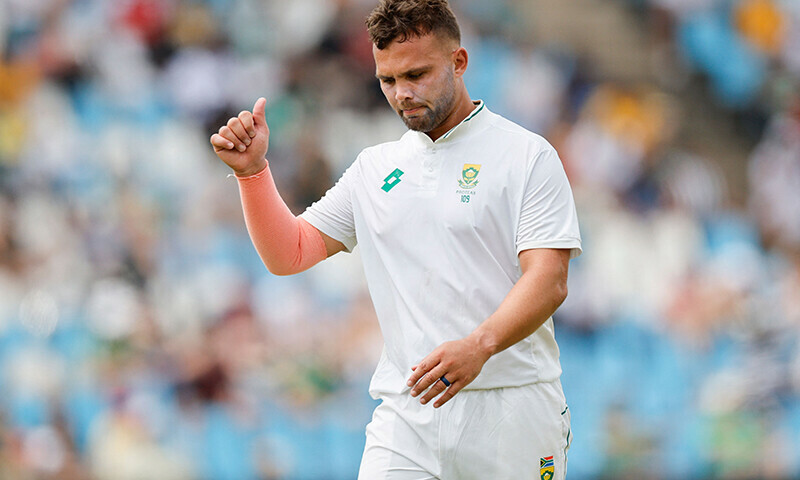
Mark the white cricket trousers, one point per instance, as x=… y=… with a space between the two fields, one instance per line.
x=496 y=434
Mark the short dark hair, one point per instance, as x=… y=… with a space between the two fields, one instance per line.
x=402 y=19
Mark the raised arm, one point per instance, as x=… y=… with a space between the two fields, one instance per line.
x=285 y=243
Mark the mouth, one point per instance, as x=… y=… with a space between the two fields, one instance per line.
x=412 y=111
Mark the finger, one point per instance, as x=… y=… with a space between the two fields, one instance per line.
x=447 y=395
x=221 y=143
x=435 y=390
x=427 y=380
x=241 y=134
x=247 y=122
x=228 y=135
x=259 y=111
x=419 y=370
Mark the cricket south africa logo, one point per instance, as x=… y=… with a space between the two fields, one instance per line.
x=547 y=468
x=469 y=176
x=391 y=180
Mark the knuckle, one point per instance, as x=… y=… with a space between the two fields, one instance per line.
x=232 y=121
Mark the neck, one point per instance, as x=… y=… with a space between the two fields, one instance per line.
x=463 y=106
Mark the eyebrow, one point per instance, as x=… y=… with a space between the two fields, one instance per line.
x=414 y=71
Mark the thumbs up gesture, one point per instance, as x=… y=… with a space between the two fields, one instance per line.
x=242 y=143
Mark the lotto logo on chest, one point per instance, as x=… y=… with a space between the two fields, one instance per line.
x=468 y=181
x=392 y=180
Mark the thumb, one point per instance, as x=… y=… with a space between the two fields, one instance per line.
x=258 y=110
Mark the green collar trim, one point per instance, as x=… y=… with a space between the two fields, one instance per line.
x=471 y=115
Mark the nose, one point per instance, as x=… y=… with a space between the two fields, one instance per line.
x=403 y=92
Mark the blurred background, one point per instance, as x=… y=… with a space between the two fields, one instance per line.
x=141 y=337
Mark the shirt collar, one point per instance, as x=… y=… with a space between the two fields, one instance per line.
x=469 y=123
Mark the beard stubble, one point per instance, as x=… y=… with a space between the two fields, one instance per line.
x=435 y=115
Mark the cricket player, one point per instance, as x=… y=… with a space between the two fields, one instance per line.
x=466 y=226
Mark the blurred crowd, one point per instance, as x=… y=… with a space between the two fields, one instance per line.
x=141 y=337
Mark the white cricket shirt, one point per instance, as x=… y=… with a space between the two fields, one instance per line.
x=440 y=226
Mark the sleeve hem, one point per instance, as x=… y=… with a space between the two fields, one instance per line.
x=316 y=222
x=254 y=176
x=574 y=245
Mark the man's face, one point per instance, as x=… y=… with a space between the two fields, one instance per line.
x=417 y=77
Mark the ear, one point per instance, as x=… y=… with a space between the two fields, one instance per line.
x=460 y=61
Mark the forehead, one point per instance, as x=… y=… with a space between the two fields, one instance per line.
x=415 y=52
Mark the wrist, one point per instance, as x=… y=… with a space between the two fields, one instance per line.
x=252 y=169
x=484 y=342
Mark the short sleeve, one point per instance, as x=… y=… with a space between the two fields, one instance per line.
x=547 y=217
x=333 y=213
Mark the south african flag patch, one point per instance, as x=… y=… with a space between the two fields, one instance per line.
x=546 y=468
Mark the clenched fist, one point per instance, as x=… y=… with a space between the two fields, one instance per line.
x=242 y=143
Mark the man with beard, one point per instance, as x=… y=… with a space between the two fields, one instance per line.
x=466 y=226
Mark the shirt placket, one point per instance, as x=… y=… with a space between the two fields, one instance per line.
x=431 y=167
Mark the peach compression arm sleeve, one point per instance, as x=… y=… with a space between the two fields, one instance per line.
x=285 y=243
